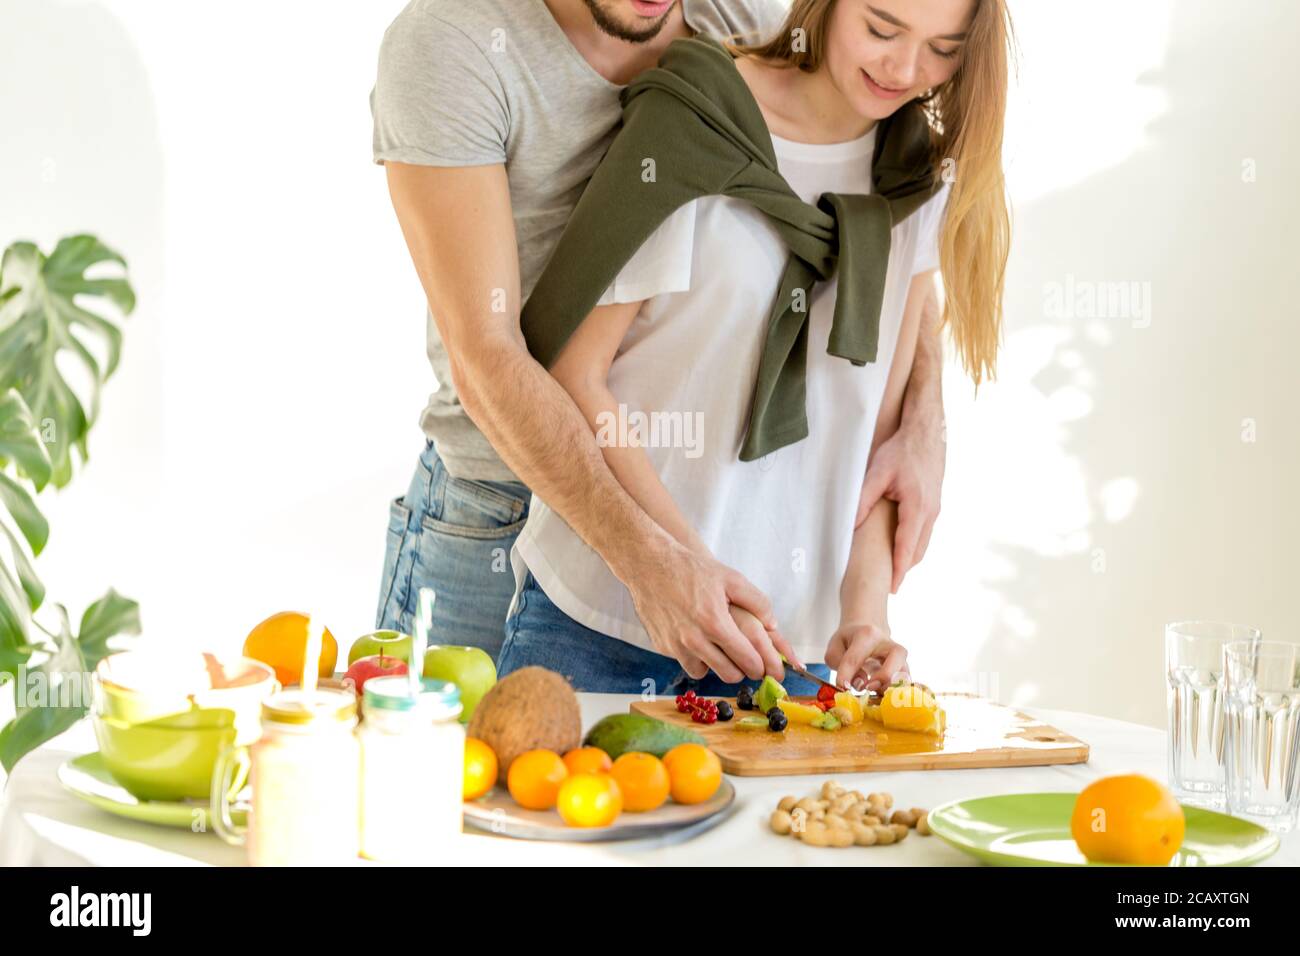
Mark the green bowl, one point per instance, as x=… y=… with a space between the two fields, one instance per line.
x=175 y=690
x=162 y=763
x=180 y=714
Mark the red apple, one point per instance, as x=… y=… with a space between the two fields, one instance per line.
x=377 y=665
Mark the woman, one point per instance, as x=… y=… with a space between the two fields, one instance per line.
x=735 y=305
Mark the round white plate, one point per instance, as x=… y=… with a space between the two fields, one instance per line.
x=496 y=812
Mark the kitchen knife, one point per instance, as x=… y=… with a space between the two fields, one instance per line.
x=809 y=675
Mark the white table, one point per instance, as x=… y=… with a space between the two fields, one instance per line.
x=43 y=825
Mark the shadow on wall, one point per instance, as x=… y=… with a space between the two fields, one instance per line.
x=81 y=153
x=81 y=145
x=1184 y=426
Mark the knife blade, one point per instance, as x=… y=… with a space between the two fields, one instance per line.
x=809 y=675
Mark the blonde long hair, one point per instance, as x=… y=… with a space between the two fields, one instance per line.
x=966 y=118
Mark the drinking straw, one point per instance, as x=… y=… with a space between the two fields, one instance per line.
x=423 y=621
x=311 y=659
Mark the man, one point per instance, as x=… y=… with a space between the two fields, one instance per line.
x=490 y=116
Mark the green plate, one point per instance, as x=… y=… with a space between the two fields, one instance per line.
x=88 y=778
x=1033 y=829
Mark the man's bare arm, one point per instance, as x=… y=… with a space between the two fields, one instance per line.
x=458 y=227
x=908 y=466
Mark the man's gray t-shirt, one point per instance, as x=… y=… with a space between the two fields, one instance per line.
x=482 y=82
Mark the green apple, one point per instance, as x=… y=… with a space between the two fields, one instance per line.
x=469 y=668
x=388 y=643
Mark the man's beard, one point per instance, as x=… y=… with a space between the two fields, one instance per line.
x=608 y=25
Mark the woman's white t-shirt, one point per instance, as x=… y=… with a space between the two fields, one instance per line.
x=684 y=378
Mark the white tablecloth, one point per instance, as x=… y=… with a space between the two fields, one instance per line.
x=43 y=825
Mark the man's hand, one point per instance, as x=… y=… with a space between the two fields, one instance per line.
x=908 y=469
x=708 y=617
x=864 y=657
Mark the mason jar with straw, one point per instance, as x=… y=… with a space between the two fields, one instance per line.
x=305 y=776
x=412 y=761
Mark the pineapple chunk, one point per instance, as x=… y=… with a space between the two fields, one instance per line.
x=909 y=707
x=798 y=713
x=851 y=705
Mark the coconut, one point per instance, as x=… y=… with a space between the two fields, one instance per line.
x=530 y=709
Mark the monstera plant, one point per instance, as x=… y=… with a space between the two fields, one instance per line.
x=50 y=307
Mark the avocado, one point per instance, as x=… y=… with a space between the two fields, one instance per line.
x=768 y=693
x=624 y=733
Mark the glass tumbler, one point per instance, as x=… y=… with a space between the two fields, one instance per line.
x=1194 y=695
x=1262 y=747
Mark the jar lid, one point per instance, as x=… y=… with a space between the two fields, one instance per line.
x=394 y=693
x=326 y=705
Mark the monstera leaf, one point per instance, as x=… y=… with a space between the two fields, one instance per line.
x=43 y=312
x=55 y=694
x=21 y=591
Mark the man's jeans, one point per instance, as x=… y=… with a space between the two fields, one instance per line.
x=540 y=634
x=454 y=536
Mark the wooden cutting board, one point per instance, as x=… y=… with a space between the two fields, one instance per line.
x=980 y=733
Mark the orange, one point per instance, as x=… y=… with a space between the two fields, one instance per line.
x=534 y=779
x=589 y=800
x=587 y=760
x=480 y=768
x=694 y=772
x=1127 y=818
x=643 y=779
x=281 y=641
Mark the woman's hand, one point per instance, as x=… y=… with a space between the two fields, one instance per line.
x=865 y=657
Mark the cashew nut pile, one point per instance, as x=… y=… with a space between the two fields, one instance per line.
x=839 y=817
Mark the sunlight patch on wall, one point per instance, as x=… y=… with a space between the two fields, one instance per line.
x=1083 y=97
x=1017 y=486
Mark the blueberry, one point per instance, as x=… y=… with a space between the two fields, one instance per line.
x=724 y=711
x=776 y=719
x=745 y=698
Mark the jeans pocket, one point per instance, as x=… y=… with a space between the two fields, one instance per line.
x=470 y=510
x=477 y=506
x=398 y=559
x=470 y=573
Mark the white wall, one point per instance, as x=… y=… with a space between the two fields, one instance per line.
x=266 y=406
x=267 y=401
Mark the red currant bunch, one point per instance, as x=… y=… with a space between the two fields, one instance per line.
x=701 y=709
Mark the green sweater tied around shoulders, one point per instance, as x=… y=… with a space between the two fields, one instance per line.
x=694 y=116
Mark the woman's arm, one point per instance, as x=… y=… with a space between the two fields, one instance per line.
x=864 y=589
x=909 y=464
x=582 y=369
x=864 y=655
